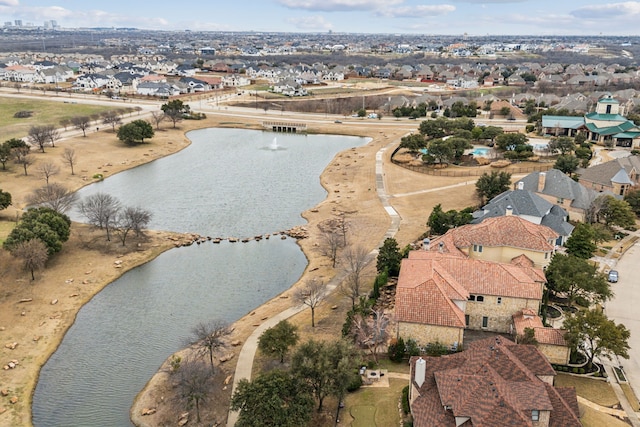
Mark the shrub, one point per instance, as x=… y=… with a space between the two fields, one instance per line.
x=412 y=348
x=371 y=364
x=529 y=128
x=405 y=400
x=98 y=176
x=574 y=370
x=355 y=383
x=174 y=363
x=23 y=114
x=582 y=302
x=581 y=370
x=436 y=349
x=397 y=351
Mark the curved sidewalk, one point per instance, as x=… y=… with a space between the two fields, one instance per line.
x=248 y=351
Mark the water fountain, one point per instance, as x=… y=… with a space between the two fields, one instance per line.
x=274 y=144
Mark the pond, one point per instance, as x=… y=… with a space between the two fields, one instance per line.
x=229 y=182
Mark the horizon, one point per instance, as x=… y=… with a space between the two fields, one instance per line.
x=471 y=18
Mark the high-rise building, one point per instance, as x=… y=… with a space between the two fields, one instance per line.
x=8 y=23
x=18 y=22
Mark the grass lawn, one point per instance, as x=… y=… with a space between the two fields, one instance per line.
x=373 y=406
x=44 y=112
x=596 y=391
x=402 y=368
x=631 y=397
x=5 y=229
x=593 y=418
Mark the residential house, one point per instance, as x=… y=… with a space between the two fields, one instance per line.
x=494 y=382
x=617 y=176
x=558 y=188
x=499 y=239
x=438 y=295
x=550 y=341
x=289 y=87
x=529 y=206
x=159 y=89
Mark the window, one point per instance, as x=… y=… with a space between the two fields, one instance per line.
x=472 y=297
x=546 y=255
x=477 y=248
x=559 y=200
x=479 y=298
x=466 y=320
x=485 y=321
x=499 y=300
x=535 y=415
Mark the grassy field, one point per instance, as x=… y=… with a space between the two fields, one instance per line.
x=593 y=418
x=373 y=406
x=631 y=397
x=5 y=229
x=596 y=391
x=44 y=112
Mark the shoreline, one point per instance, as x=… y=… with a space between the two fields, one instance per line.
x=51 y=321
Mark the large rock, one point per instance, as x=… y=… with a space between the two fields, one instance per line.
x=148 y=411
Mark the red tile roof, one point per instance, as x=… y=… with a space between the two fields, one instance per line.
x=512 y=231
x=495 y=383
x=528 y=319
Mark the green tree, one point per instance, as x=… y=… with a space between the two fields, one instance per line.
x=567 y=163
x=440 y=222
x=327 y=367
x=489 y=186
x=135 y=132
x=459 y=145
x=562 y=144
x=273 y=399
x=45 y=224
x=5 y=199
x=278 y=340
x=617 y=212
x=529 y=337
x=175 y=110
x=491 y=132
x=362 y=112
x=508 y=141
x=440 y=150
x=576 y=277
x=389 y=257
x=413 y=142
x=596 y=334
x=581 y=243
x=632 y=198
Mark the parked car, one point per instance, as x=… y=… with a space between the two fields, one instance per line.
x=613 y=276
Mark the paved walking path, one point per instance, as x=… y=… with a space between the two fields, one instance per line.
x=248 y=351
x=633 y=418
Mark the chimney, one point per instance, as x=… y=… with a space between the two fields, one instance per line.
x=520 y=185
x=441 y=247
x=425 y=244
x=421 y=370
x=509 y=211
x=542 y=179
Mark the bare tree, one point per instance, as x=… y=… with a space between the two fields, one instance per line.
x=193 y=383
x=101 y=210
x=33 y=253
x=137 y=109
x=311 y=295
x=111 y=118
x=54 y=196
x=354 y=259
x=371 y=331
x=330 y=244
x=69 y=157
x=52 y=134
x=82 y=123
x=209 y=337
x=23 y=156
x=38 y=136
x=131 y=219
x=65 y=123
x=158 y=116
x=46 y=170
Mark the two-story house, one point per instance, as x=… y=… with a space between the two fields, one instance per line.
x=494 y=382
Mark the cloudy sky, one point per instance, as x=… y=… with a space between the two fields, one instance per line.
x=544 y=17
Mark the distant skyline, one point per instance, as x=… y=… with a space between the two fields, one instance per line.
x=452 y=17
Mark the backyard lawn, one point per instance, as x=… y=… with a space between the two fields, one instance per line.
x=593 y=418
x=597 y=391
x=373 y=406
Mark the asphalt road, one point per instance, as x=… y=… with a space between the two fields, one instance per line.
x=625 y=308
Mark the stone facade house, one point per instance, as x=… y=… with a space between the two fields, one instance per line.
x=499 y=239
x=494 y=382
x=439 y=295
x=617 y=176
x=551 y=341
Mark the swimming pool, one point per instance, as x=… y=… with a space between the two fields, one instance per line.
x=482 y=152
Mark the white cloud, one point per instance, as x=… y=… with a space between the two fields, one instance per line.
x=310 y=23
x=420 y=11
x=338 y=5
x=608 y=11
x=9 y=3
